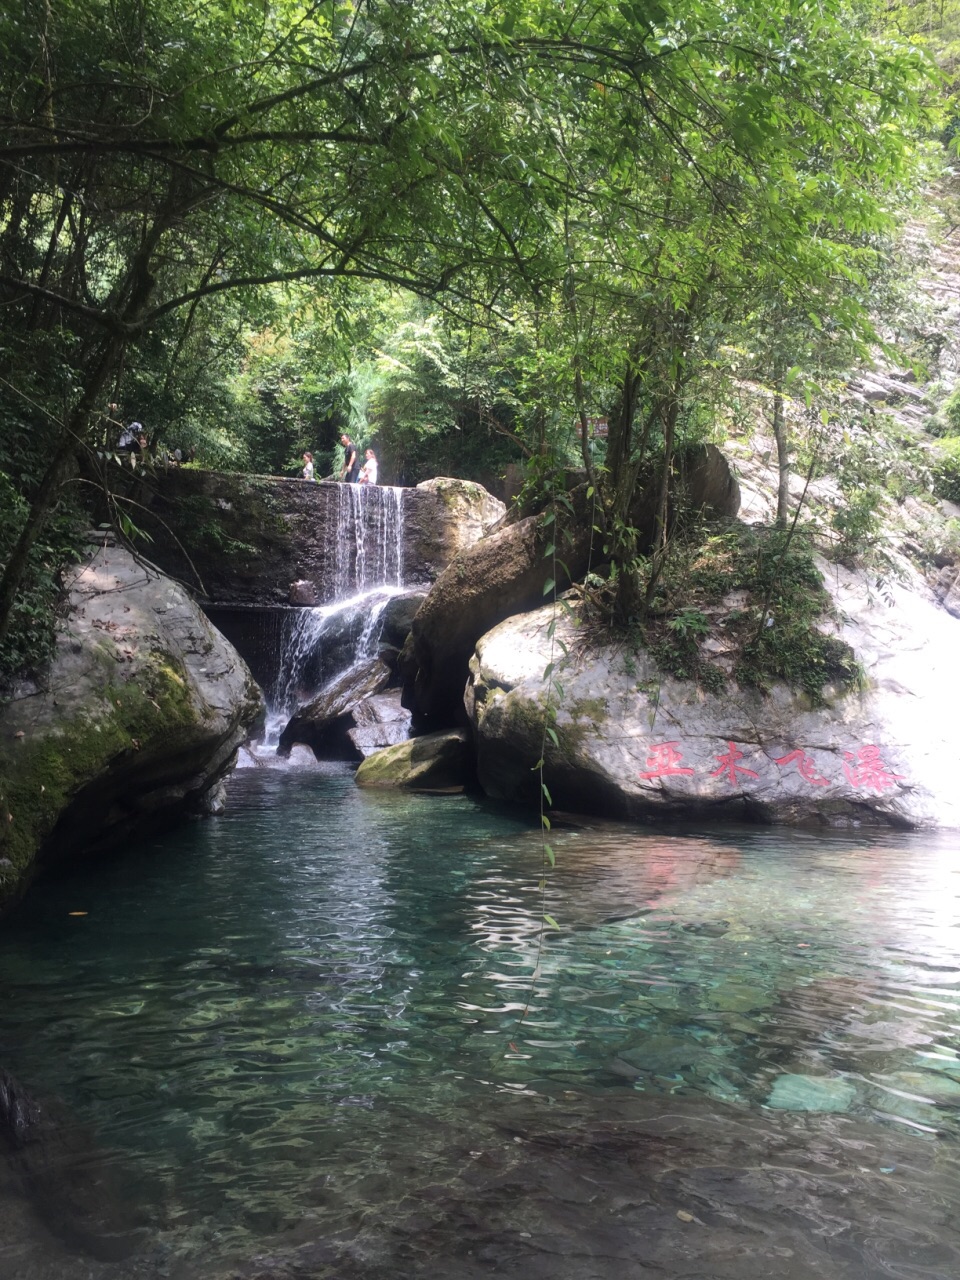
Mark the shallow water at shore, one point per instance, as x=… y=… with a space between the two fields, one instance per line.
x=329 y=1035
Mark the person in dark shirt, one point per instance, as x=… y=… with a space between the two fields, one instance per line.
x=351 y=463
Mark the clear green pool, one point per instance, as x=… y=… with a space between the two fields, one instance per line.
x=326 y=1035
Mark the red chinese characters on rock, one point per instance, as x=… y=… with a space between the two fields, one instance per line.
x=806 y=767
x=865 y=768
x=664 y=761
x=728 y=765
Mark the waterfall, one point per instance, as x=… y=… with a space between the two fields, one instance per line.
x=369 y=550
x=317 y=645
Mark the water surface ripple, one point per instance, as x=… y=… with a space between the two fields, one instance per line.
x=327 y=1035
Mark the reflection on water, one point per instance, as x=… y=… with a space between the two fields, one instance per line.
x=332 y=1000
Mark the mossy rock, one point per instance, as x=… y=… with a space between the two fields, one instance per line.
x=433 y=762
x=135 y=722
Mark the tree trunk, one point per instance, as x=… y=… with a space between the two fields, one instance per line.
x=47 y=494
x=671 y=412
x=783 y=458
x=137 y=287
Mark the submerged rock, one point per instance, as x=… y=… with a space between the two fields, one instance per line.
x=70 y=1183
x=939 y=1089
x=811 y=1093
x=138 y=718
x=737 y=997
x=662 y=1055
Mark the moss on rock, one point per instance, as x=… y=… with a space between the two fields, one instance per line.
x=42 y=776
x=141 y=713
x=435 y=761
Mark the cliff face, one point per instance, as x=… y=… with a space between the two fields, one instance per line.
x=245 y=539
x=135 y=724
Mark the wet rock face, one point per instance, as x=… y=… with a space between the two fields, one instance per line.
x=398 y=616
x=303 y=593
x=636 y=744
x=138 y=719
x=324 y=723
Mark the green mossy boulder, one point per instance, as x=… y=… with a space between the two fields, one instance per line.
x=433 y=762
x=134 y=724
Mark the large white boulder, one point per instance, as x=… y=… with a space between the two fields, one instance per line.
x=634 y=743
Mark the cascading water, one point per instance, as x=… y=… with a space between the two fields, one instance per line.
x=369 y=551
x=319 y=644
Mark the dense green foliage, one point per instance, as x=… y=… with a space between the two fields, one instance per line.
x=948 y=469
x=456 y=231
x=758 y=596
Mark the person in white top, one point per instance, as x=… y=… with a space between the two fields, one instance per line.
x=308 y=473
x=368 y=472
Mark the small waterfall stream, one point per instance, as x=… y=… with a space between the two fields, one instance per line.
x=319 y=644
x=369 y=552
